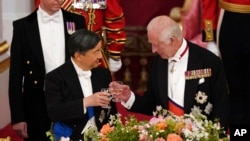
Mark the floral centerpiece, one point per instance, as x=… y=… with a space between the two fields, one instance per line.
x=164 y=126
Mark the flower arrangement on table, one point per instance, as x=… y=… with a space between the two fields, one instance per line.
x=164 y=126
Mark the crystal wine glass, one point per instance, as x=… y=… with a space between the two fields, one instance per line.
x=110 y=96
x=116 y=90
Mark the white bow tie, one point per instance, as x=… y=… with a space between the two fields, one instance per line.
x=47 y=18
x=86 y=74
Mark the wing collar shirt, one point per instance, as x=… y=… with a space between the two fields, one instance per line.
x=51 y=29
x=177 y=65
x=176 y=78
x=86 y=85
x=85 y=81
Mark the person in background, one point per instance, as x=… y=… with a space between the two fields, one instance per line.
x=229 y=19
x=183 y=77
x=37 y=47
x=108 y=21
x=74 y=87
x=190 y=11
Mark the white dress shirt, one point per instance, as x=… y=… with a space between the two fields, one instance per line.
x=176 y=79
x=86 y=85
x=85 y=82
x=51 y=29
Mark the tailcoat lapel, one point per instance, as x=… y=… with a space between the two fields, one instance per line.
x=191 y=86
x=163 y=81
x=34 y=37
x=72 y=80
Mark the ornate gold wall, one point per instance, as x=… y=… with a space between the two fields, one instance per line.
x=4 y=64
x=135 y=57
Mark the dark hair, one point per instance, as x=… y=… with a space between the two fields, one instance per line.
x=82 y=41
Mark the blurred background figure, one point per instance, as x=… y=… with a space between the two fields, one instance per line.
x=109 y=22
x=189 y=17
x=231 y=19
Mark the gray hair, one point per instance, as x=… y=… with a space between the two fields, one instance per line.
x=165 y=27
x=172 y=31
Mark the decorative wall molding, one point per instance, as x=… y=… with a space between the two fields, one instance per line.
x=135 y=58
x=137 y=42
x=4 y=46
x=4 y=65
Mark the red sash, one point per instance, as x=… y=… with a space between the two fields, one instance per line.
x=175 y=108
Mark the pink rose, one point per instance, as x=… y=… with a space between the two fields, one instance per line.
x=154 y=120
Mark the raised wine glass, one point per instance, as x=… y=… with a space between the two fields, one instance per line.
x=116 y=90
x=110 y=96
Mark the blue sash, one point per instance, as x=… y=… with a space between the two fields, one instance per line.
x=61 y=130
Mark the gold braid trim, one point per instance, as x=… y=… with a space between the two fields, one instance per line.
x=92 y=17
x=238 y=8
x=117 y=41
x=114 y=29
x=4 y=64
x=116 y=19
x=105 y=57
x=4 y=46
x=115 y=55
x=67 y=6
x=209 y=30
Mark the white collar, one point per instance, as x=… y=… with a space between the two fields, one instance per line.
x=79 y=71
x=46 y=17
x=178 y=54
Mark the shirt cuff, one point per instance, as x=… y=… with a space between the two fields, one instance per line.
x=84 y=109
x=130 y=101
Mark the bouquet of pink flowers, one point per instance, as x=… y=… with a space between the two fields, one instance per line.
x=164 y=126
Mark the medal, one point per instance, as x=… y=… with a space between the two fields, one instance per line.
x=70 y=27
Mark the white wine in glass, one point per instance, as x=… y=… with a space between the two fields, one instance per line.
x=110 y=96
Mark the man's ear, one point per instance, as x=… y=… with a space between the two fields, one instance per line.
x=172 y=39
x=77 y=55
